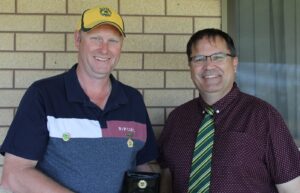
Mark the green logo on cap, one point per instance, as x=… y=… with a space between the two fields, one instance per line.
x=105 y=12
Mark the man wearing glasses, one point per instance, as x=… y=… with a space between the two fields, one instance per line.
x=225 y=140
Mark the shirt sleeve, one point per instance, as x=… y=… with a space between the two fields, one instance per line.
x=27 y=136
x=163 y=142
x=282 y=153
x=149 y=152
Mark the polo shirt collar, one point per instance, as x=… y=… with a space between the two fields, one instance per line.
x=75 y=93
x=117 y=96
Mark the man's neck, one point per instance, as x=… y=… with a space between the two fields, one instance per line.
x=98 y=90
x=212 y=98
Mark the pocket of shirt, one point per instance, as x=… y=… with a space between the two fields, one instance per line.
x=237 y=149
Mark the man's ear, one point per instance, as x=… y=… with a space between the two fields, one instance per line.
x=77 y=38
x=235 y=63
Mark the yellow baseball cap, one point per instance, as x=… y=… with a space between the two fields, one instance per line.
x=93 y=17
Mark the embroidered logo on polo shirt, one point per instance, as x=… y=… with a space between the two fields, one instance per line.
x=66 y=136
x=129 y=130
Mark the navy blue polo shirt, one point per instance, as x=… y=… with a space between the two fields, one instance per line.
x=76 y=143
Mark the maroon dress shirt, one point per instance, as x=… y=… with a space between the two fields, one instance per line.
x=253 y=149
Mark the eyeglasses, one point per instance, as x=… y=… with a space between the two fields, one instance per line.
x=214 y=58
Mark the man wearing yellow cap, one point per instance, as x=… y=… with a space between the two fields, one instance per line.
x=80 y=131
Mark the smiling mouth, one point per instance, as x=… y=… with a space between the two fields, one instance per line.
x=101 y=59
x=209 y=76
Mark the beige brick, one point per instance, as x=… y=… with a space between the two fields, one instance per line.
x=17 y=60
x=176 y=43
x=157 y=115
x=40 y=42
x=170 y=98
x=202 y=23
x=6 y=79
x=157 y=131
x=177 y=79
x=142 y=79
x=78 y=6
x=114 y=73
x=21 y=23
x=10 y=98
x=142 y=7
x=24 y=79
x=60 y=23
x=146 y=43
x=60 y=60
x=70 y=42
x=7 y=6
x=6 y=116
x=169 y=110
x=168 y=25
x=166 y=61
x=194 y=7
x=7 y=41
x=133 y=24
x=130 y=61
x=3 y=132
x=44 y=6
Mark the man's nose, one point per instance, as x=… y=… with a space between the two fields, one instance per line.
x=208 y=62
x=103 y=47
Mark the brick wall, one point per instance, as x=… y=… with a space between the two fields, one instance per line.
x=36 y=41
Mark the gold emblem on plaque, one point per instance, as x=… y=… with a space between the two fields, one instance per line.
x=142 y=184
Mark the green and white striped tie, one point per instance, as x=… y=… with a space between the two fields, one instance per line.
x=201 y=164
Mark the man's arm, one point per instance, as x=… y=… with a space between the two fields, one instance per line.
x=292 y=186
x=20 y=176
x=166 y=181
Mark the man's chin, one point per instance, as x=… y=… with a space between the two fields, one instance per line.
x=212 y=89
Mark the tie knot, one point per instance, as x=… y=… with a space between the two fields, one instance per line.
x=209 y=110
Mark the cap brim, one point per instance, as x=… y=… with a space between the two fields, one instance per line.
x=88 y=28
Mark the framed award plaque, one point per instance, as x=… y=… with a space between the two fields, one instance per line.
x=141 y=182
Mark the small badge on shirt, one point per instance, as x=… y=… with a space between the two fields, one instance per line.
x=66 y=137
x=130 y=142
